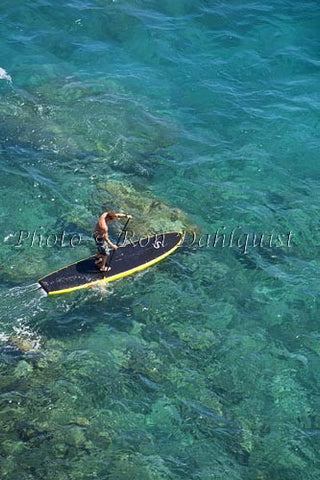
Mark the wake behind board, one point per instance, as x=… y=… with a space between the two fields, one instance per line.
x=128 y=259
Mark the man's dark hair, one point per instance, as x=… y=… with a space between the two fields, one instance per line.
x=111 y=215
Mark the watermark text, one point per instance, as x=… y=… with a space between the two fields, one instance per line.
x=238 y=237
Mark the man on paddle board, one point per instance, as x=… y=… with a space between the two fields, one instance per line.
x=103 y=243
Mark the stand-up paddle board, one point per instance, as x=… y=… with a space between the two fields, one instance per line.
x=128 y=259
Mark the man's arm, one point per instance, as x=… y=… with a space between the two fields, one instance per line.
x=107 y=239
x=102 y=219
x=123 y=215
x=118 y=215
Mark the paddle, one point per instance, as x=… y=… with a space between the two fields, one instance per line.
x=117 y=243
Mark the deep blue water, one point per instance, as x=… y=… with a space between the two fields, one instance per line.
x=190 y=115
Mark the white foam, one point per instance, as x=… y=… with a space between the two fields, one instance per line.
x=102 y=290
x=4 y=75
x=22 y=330
x=3 y=337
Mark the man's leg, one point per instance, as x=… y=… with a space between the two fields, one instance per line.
x=98 y=258
x=103 y=265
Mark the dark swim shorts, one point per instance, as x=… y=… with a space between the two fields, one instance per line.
x=102 y=246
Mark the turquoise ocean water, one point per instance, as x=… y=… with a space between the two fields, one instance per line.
x=196 y=115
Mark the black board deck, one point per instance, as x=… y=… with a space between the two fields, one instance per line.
x=126 y=260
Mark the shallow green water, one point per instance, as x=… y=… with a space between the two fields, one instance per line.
x=200 y=116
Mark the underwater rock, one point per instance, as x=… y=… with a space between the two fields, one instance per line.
x=281 y=450
x=150 y=215
x=23 y=344
x=14 y=270
x=164 y=414
x=9 y=447
x=80 y=422
x=311 y=341
x=30 y=432
x=23 y=369
x=76 y=437
x=103 y=439
x=289 y=396
x=59 y=449
x=79 y=217
x=138 y=466
x=197 y=338
x=145 y=364
x=109 y=122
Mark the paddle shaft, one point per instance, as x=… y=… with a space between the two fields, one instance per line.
x=117 y=243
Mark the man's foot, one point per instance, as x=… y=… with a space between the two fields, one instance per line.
x=105 y=269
